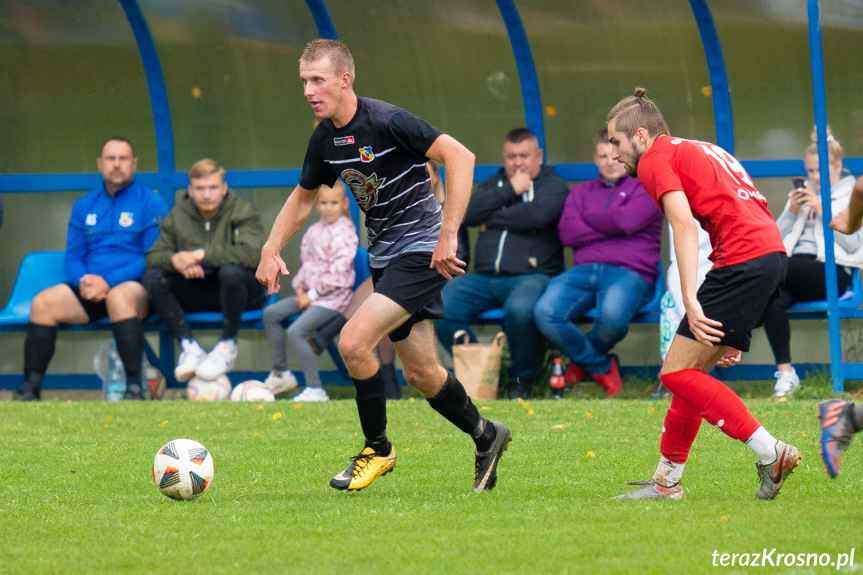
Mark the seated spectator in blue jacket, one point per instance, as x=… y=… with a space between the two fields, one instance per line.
x=517 y=252
x=109 y=232
x=614 y=229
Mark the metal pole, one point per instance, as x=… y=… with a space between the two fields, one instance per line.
x=820 y=101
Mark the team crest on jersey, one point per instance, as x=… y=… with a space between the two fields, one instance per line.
x=346 y=141
x=127 y=219
x=364 y=189
x=91 y=220
x=366 y=154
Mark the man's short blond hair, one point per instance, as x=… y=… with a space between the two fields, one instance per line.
x=340 y=57
x=204 y=168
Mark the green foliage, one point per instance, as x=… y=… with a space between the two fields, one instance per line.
x=78 y=495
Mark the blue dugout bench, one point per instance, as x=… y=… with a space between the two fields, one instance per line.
x=40 y=270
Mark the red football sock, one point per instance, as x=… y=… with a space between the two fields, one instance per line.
x=682 y=422
x=717 y=403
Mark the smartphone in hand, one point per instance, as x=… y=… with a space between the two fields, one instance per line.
x=798 y=182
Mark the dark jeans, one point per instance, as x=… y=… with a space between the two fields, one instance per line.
x=466 y=297
x=230 y=289
x=803 y=282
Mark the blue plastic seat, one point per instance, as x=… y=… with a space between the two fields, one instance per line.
x=38 y=270
x=851 y=299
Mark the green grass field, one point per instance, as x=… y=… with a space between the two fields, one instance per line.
x=78 y=495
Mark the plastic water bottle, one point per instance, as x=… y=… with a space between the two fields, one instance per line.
x=557 y=382
x=113 y=375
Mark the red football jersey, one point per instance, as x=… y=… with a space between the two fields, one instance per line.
x=720 y=193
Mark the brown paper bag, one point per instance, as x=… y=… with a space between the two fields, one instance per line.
x=477 y=365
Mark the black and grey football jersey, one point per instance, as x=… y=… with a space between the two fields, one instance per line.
x=380 y=155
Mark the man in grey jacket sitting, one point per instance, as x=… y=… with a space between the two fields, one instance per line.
x=517 y=252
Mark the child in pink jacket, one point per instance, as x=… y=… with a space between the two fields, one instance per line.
x=322 y=290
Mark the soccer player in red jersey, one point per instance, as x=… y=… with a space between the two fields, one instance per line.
x=689 y=178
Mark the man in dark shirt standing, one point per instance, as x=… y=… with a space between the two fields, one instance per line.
x=380 y=152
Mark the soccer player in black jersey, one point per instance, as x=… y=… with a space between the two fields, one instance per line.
x=380 y=152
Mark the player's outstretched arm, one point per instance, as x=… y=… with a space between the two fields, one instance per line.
x=679 y=214
x=849 y=220
x=291 y=218
x=458 y=162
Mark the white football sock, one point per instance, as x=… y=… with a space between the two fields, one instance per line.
x=763 y=444
x=668 y=473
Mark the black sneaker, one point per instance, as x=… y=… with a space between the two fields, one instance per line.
x=485 y=470
x=28 y=392
x=134 y=392
x=520 y=389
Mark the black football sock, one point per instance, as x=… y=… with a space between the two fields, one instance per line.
x=854 y=411
x=372 y=408
x=454 y=404
x=130 y=344
x=39 y=345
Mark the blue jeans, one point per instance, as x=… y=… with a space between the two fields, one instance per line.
x=467 y=296
x=616 y=293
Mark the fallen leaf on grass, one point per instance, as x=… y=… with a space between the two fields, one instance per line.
x=260 y=407
x=279 y=415
x=590 y=454
x=297 y=406
x=164 y=422
x=559 y=426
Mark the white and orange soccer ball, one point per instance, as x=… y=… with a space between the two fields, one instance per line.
x=183 y=469
x=200 y=389
x=252 y=390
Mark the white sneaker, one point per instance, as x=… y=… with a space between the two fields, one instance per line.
x=219 y=361
x=312 y=394
x=190 y=358
x=787 y=382
x=280 y=383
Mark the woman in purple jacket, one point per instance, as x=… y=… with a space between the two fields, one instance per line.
x=614 y=229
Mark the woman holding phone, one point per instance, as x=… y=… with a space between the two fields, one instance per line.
x=803 y=235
